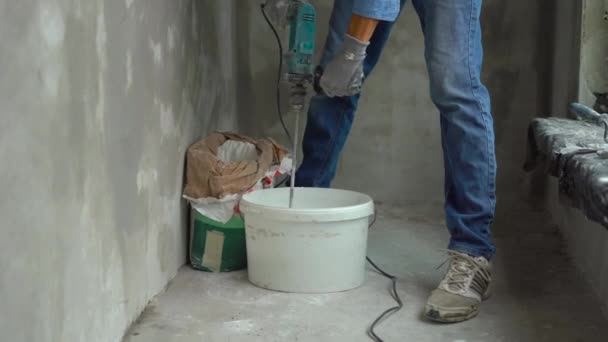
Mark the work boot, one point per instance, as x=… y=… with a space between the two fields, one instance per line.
x=459 y=294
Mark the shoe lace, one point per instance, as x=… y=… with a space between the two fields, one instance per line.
x=462 y=268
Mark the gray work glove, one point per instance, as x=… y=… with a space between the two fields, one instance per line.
x=343 y=76
x=277 y=11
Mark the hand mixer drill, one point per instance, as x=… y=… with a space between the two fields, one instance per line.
x=300 y=17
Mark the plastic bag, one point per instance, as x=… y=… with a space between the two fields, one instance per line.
x=221 y=168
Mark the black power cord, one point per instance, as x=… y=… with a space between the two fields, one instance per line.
x=279 y=76
x=393 y=291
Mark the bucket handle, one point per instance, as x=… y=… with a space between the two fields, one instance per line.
x=374 y=216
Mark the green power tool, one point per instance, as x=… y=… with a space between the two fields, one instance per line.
x=300 y=17
x=302 y=23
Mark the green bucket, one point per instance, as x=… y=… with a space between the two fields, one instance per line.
x=217 y=247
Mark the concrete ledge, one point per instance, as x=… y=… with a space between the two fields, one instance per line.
x=570 y=150
x=587 y=243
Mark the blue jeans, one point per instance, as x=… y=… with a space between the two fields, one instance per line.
x=453 y=53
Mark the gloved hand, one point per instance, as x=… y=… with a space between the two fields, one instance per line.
x=343 y=76
x=277 y=11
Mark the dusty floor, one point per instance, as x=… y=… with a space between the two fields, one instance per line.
x=538 y=295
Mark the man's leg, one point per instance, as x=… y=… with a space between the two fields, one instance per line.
x=453 y=53
x=330 y=119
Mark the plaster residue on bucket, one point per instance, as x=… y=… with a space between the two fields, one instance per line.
x=266 y=233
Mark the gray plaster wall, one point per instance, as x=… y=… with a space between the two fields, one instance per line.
x=566 y=57
x=587 y=243
x=394 y=150
x=98 y=103
x=594 y=50
x=580 y=70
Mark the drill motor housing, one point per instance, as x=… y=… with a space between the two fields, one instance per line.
x=300 y=56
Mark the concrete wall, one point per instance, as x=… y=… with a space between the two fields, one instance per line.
x=594 y=50
x=587 y=243
x=394 y=151
x=580 y=69
x=566 y=56
x=98 y=102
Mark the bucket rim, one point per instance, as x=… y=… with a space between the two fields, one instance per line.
x=331 y=214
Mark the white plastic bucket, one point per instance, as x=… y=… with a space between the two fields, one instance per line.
x=318 y=246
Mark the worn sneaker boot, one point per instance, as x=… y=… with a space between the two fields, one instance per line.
x=465 y=285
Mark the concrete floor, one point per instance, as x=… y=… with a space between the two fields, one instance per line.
x=538 y=295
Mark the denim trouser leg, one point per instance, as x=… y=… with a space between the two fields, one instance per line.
x=453 y=53
x=330 y=119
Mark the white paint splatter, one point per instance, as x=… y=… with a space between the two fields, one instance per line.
x=167 y=120
x=319 y=300
x=146 y=178
x=128 y=3
x=157 y=51
x=52 y=25
x=77 y=9
x=171 y=37
x=129 y=67
x=100 y=43
x=170 y=210
x=52 y=31
x=50 y=78
x=240 y=326
x=101 y=37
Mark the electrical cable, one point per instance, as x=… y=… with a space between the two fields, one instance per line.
x=393 y=291
x=278 y=85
